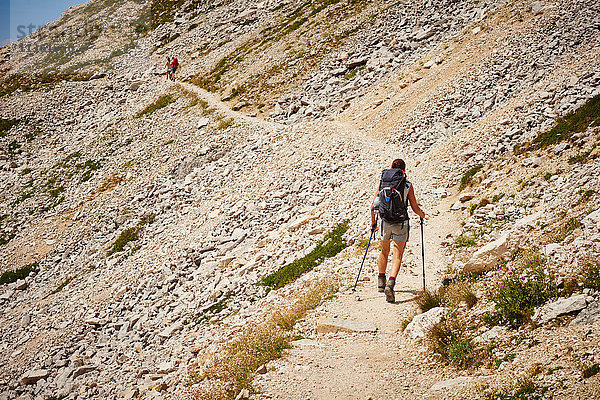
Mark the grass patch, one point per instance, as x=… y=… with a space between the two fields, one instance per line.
x=524 y=389
x=159 y=103
x=130 y=235
x=467 y=178
x=63 y=285
x=447 y=339
x=566 y=228
x=234 y=366
x=38 y=81
x=467 y=239
x=451 y=294
x=21 y=273
x=520 y=289
x=225 y=123
x=350 y=75
x=591 y=275
x=564 y=128
x=331 y=245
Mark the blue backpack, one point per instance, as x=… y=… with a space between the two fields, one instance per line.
x=393 y=196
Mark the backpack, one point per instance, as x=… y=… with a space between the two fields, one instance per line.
x=393 y=196
x=175 y=62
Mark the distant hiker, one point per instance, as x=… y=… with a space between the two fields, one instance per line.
x=169 y=68
x=174 y=65
x=394 y=194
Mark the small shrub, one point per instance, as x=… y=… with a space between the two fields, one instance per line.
x=161 y=102
x=520 y=290
x=590 y=371
x=21 y=273
x=592 y=276
x=130 y=235
x=497 y=197
x=426 y=299
x=524 y=389
x=331 y=245
x=467 y=178
x=447 y=339
x=63 y=285
x=566 y=229
x=225 y=123
x=467 y=239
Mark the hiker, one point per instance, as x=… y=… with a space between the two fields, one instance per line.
x=168 y=65
x=393 y=196
x=174 y=65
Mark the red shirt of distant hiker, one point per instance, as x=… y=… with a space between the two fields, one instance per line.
x=393 y=196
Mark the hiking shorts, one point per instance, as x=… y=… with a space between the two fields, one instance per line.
x=395 y=231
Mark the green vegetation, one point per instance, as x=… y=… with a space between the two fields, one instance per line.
x=6 y=125
x=63 y=285
x=214 y=309
x=27 y=83
x=352 y=74
x=234 y=366
x=161 y=102
x=331 y=245
x=448 y=339
x=582 y=157
x=21 y=273
x=467 y=238
x=591 y=275
x=574 y=122
x=452 y=293
x=524 y=389
x=225 y=123
x=566 y=228
x=130 y=234
x=467 y=178
x=590 y=371
x=521 y=289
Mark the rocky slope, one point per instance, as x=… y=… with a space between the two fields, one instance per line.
x=148 y=210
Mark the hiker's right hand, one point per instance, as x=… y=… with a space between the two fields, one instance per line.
x=374 y=227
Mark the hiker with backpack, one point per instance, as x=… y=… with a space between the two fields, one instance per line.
x=174 y=65
x=394 y=194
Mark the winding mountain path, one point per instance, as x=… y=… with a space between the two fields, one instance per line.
x=350 y=365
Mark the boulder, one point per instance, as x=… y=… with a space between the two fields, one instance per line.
x=84 y=369
x=466 y=196
x=488 y=256
x=590 y=315
x=592 y=220
x=21 y=284
x=560 y=307
x=418 y=327
x=31 y=377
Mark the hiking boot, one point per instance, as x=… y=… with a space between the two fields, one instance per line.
x=389 y=291
x=381 y=284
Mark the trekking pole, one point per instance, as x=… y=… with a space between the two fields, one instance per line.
x=363 y=260
x=423 y=252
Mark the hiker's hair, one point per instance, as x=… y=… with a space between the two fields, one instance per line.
x=399 y=164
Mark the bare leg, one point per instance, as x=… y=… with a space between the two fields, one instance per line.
x=396 y=257
x=383 y=256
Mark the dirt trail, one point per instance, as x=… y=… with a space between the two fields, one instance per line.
x=377 y=365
